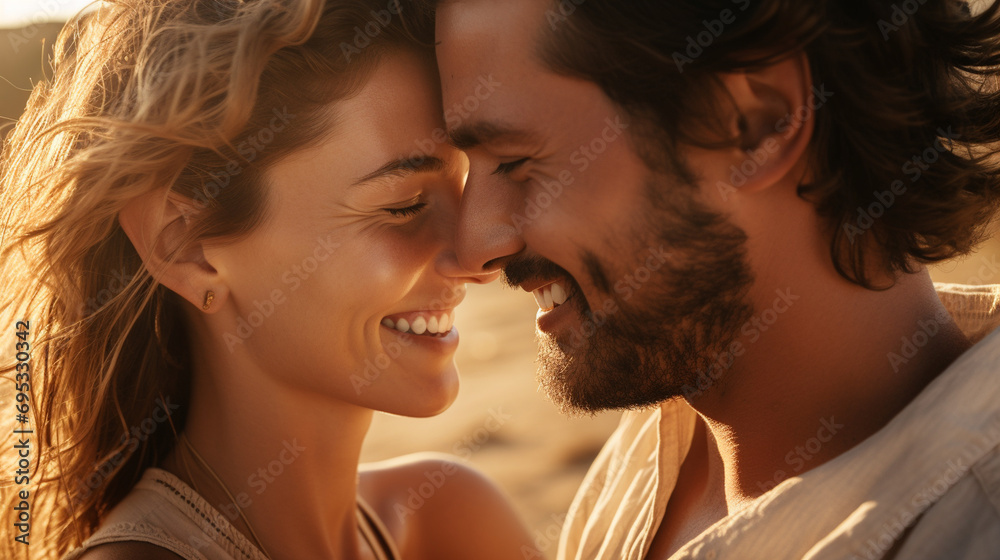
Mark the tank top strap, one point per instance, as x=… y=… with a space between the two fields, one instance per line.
x=374 y=526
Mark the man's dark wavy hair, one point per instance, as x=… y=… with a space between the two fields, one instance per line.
x=908 y=77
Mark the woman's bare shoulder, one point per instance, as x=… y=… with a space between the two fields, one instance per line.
x=129 y=550
x=452 y=506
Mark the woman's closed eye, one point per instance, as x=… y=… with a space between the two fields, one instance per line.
x=407 y=211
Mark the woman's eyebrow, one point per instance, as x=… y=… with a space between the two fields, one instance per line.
x=402 y=167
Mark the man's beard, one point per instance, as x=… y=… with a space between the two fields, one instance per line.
x=661 y=341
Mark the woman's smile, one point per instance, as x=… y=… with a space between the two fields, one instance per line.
x=423 y=323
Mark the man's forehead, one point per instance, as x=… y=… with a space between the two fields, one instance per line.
x=488 y=29
x=528 y=12
x=488 y=40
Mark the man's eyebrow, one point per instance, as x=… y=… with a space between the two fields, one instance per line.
x=404 y=166
x=471 y=135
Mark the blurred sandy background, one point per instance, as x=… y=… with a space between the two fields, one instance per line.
x=535 y=453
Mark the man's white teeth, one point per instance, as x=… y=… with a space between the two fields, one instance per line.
x=435 y=324
x=550 y=297
x=558 y=294
x=539 y=298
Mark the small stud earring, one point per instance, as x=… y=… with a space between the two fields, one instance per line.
x=208 y=300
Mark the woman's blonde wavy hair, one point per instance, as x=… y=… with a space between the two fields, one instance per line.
x=145 y=94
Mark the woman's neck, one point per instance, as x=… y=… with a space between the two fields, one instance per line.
x=288 y=457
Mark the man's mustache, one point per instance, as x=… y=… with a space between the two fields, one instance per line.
x=521 y=269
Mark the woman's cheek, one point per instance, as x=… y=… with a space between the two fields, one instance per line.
x=397 y=258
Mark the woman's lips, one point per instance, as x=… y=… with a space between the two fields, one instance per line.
x=426 y=323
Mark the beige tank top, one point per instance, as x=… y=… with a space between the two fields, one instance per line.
x=164 y=511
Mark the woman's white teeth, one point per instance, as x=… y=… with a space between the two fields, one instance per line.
x=550 y=297
x=435 y=324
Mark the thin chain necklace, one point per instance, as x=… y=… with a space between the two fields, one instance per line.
x=366 y=530
x=229 y=494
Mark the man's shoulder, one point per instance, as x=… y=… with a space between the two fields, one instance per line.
x=986 y=474
x=964 y=522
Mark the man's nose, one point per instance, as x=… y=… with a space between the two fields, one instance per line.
x=486 y=231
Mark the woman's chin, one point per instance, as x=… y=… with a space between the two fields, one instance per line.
x=430 y=395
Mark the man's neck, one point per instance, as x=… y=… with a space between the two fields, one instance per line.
x=830 y=371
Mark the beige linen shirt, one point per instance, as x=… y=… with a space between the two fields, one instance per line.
x=930 y=478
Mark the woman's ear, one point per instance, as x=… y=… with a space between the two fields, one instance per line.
x=773 y=118
x=156 y=223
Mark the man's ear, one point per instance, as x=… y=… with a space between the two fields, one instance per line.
x=156 y=223
x=773 y=118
